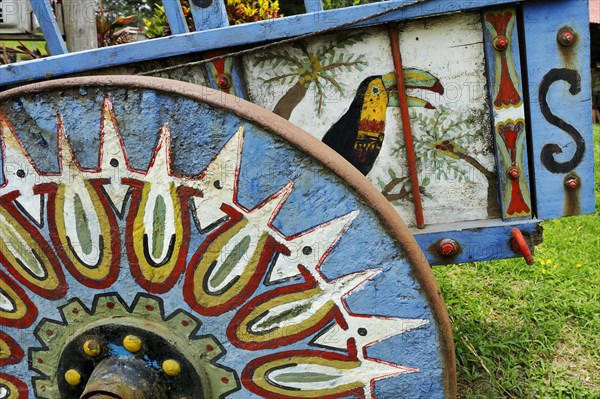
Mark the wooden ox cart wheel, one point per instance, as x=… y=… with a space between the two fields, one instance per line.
x=163 y=240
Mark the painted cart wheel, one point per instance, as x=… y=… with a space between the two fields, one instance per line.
x=163 y=240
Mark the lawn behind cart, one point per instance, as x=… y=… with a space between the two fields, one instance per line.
x=531 y=331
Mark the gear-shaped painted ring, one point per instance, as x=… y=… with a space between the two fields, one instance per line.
x=145 y=314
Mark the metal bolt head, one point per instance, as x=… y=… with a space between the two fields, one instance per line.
x=500 y=42
x=132 y=343
x=513 y=173
x=171 y=367
x=73 y=377
x=572 y=182
x=92 y=348
x=566 y=36
x=448 y=248
x=223 y=81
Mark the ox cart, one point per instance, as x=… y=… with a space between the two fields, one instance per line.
x=251 y=211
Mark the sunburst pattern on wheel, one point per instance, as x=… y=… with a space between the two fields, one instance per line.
x=189 y=239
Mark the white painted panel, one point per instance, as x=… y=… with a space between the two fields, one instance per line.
x=453 y=141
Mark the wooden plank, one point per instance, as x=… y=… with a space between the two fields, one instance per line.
x=209 y=14
x=475 y=242
x=47 y=20
x=506 y=101
x=79 y=22
x=559 y=102
x=175 y=16
x=313 y=5
x=233 y=36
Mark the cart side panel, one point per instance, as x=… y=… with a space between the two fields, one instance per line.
x=558 y=60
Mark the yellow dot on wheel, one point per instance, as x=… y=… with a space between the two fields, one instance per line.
x=171 y=367
x=73 y=377
x=132 y=343
x=92 y=348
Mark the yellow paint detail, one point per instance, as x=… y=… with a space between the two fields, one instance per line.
x=315 y=63
x=370 y=141
x=171 y=367
x=214 y=254
x=260 y=376
x=73 y=377
x=132 y=343
x=373 y=109
x=92 y=348
x=508 y=106
x=4 y=350
x=20 y=307
x=243 y=331
x=416 y=76
x=161 y=273
x=50 y=280
x=510 y=121
x=102 y=270
x=375 y=101
x=370 y=135
x=415 y=101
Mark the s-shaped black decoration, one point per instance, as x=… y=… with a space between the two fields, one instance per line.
x=549 y=150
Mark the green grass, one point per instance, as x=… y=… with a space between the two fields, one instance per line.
x=31 y=45
x=531 y=331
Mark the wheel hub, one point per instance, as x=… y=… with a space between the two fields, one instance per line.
x=112 y=352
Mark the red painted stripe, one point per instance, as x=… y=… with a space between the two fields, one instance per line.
x=410 y=147
x=371 y=125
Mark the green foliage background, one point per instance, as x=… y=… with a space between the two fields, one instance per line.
x=329 y=4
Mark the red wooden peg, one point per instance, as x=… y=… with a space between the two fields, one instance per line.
x=520 y=245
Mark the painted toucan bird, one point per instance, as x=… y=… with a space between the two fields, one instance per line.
x=358 y=134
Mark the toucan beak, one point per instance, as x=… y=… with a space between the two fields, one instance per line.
x=413 y=79
x=391 y=87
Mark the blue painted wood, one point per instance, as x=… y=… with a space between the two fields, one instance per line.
x=175 y=16
x=559 y=76
x=515 y=201
x=476 y=243
x=47 y=20
x=231 y=36
x=238 y=82
x=313 y=5
x=209 y=14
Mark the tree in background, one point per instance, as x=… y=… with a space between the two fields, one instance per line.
x=158 y=26
x=330 y=4
x=288 y=7
x=242 y=11
x=238 y=12
x=120 y=8
x=112 y=29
